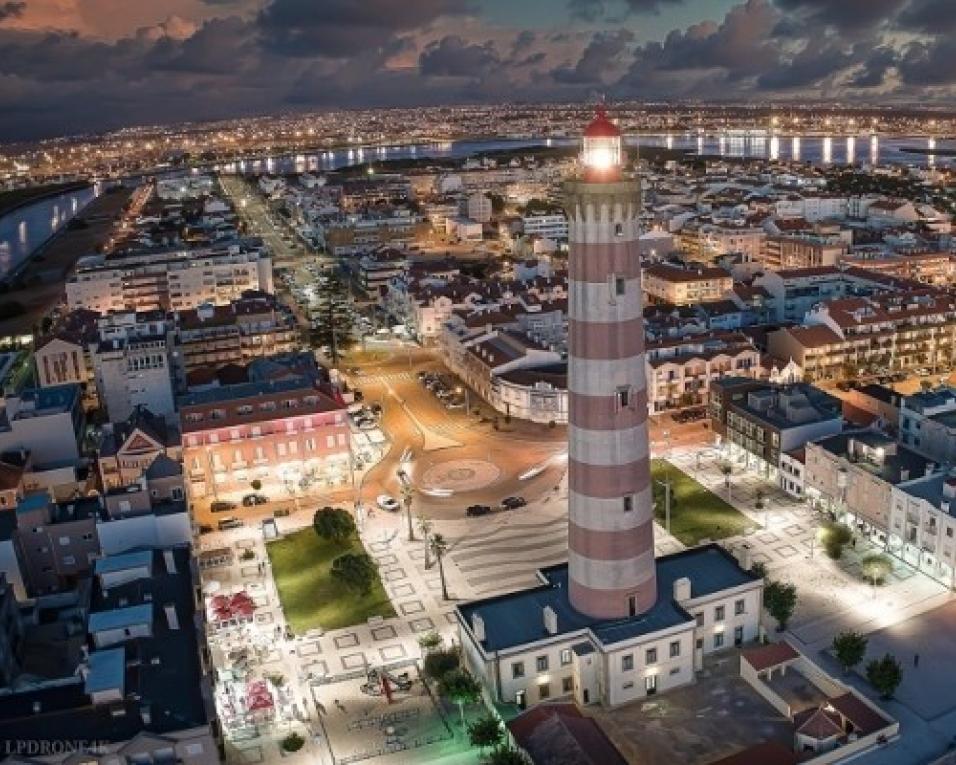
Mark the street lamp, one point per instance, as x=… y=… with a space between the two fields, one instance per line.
x=407 y=499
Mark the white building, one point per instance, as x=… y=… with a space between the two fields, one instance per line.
x=479 y=208
x=131 y=365
x=174 y=279
x=530 y=646
x=923 y=525
x=554 y=226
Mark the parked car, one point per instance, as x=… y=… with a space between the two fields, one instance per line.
x=376 y=408
x=388 y=503
x=221 y=506
x=229 y=523
x=366 y=423
x=513 y=503
x=205 y=528
x=251 y=500
x=474 y=511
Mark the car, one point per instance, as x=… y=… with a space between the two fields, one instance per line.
x=229 y=523
x=422 y=374
x=221 y=506
x=454 y=403
x=205 y=529
x=387 y=502
x=513 y=503
x=376 y=408
x=474 y=511
x=366 y=423
x=251 y=500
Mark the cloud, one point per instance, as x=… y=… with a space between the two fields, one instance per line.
x=931 y=17
x=592 y=10
x=845 y=15
x=602 y=57
x=11 y=10
x=453 y=57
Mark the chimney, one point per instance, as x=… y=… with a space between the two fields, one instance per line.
x=682 y=589
x=478 y=627
x=904 y=474
x=550 y=621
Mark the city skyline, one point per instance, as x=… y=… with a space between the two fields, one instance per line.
x=72 y=66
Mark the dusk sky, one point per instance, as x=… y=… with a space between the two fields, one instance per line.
x=68 y=66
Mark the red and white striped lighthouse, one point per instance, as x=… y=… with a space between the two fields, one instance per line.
x=611 y=532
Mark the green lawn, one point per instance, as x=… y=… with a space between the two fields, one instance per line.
x=310 y=597
x=696 y=512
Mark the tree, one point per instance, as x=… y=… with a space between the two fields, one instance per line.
x=780 y=600
x=503 y=755
x=849 y=648
x=459 y=686
x=759 y=569
x=357 y=571
x=834 y=536
x=256 y=485
x=485 y=732
x=876 y=568
x=292 y=743
x=333 y=315
x=439 y=548
x=885 y=675
x=334 y=524
x=430 y=641
x=425 y=529
x=437 y=664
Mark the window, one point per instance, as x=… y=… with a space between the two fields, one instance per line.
x=544 y=691
x=949 y=531
x=718 y=640
x=567 y=685
x=719 y=614
x=565 y=657
x=738 y=635
x=700 y=619
x=517 y=669
x=675 y=649
x=739 y=606
x=627 y=662
x=620 y=286
x=541 y=664
x=69 y=560
x=624 y=397
x=618 y=229
x=628 y=506
x=650 y=656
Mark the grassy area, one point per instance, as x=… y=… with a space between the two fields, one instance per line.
x=310 y=597
x=696 y=512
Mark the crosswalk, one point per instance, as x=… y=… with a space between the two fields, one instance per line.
x=507 y=557
x=384 y=377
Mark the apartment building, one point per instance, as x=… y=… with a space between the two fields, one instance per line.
x=359 y=233
x=132 y=364
x=123 y=669
x=170 y=279
x=927 y=424
x=680 y=370
x=852 y=475
x=705 y=242
x=759 y=421
x=377 y=269
x=812 y=208
x=675 y=285
x=380 y=188
x=934 y=268
x=62 y=356
x=285 y=426
x=803 y=251
x=254 y=326
x=46 y=422
x=922 y=526
x=553 y=226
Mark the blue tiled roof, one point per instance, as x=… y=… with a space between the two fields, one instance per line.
x=118 y=618
x=124 y=561
x=516 y=619
x=107 y=670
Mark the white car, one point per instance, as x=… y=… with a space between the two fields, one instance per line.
x=386 y=502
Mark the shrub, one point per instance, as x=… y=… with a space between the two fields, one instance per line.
x=439 y=663
x=292 y=743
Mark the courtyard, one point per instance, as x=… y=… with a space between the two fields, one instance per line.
x=311 y=598
x=696 y=512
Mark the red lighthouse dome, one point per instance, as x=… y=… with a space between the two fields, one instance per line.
x=601 y=149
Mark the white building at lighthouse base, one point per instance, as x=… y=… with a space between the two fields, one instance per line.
x=532 y=645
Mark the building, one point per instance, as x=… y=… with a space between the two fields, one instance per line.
x=62 y=356
x=478 y=208
x=758 y=422
x=613 y=625
x=359 y=233
x=170 y=279
x=559 y=732
x=852 y=476
x=377 y=269
x=803 y=251
x=254 y=326
x=127 y=449
x=674 y=285
x=704 y=241
x=680 y=370
x=285 y=426
x=927 y=424
x=132 y=365
x=46 y=422
x=553 y=226
x=113 y=671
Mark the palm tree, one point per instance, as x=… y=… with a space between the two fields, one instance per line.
x=425 y=529
x=439 y=547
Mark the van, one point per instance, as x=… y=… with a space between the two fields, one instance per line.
x=229 y=523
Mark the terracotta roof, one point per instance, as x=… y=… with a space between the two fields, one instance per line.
x=768 y=753
x=559 y=733
x=865 y=720
x=771 y=655
x=816 y=336
x=818 y=723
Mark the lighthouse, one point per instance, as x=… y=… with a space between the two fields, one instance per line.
x=611 y=532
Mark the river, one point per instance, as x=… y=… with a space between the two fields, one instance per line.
x=23 y=230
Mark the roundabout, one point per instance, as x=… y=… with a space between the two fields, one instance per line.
x=461 y=475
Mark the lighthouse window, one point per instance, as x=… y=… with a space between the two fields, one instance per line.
x=618 y=229
x=623 y=397
x=619 y=286
x=628 y=503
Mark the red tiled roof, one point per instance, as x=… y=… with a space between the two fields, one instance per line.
x=769 y=753
x=559 y=732
x=865 y=720
x=766 y=656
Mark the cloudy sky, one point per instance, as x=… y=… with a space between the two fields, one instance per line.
x=69 y=66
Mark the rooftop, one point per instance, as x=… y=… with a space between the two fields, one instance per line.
x=515 y=619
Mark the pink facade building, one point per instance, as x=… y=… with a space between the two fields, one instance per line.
x=611 y=534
